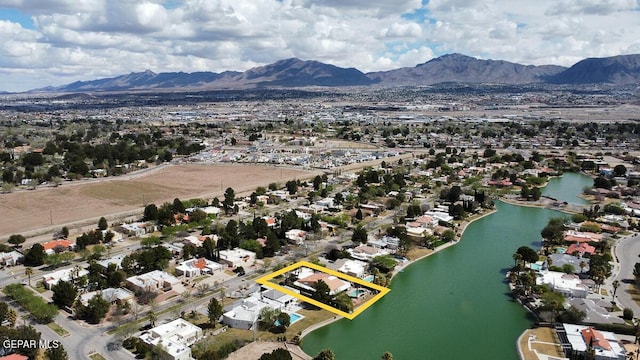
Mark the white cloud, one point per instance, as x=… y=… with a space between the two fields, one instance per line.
x=85 y=39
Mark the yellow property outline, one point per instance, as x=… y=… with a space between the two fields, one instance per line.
x=382 y=291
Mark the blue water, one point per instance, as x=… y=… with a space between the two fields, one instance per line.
x=454 y=304
x=293 y=318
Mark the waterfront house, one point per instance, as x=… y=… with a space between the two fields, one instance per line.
x=243 y=313
x=569 y=285
x=334 y=283
x=366 y=252
x=579 y=338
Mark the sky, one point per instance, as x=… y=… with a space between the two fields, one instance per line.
x=55 y=42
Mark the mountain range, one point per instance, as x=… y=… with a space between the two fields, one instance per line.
x=451 y=68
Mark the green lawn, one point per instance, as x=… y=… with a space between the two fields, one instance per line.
x=58 y=329
x=96 y=356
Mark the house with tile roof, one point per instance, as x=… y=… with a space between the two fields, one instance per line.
x=51 y=246
x=196 y=267
x=581 y=339
x=335 y=284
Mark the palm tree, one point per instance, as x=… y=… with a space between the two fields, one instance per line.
x=517 y=258
x=549 y=262
x=152 y=318
x=615 y=284
x=387 y=356
x=12 y=317
x=582 y=265
x=28 y=271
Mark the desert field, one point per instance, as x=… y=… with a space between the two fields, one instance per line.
x=47 y=209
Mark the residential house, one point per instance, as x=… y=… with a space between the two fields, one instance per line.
x=335 y=284
x=116 y=260
x=11 y=258
x=111 y=295
x=69 y=274
x=560 y=260
x=580 y=249
x=50 y=247
x=152 y=281
x=354 y=268
x=243 y=313
x=173 y=339
x=366 y=253
x=581 y=236
x=237 y=257
x=569 y=285
x=196 y=267
x=580 y=338
x=296 y=236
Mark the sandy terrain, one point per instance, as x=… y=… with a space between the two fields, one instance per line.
x=25 y=211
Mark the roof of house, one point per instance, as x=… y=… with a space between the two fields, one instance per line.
x=581 y=248
x=49 y=245
x=594 y=338
x=14 y=357
x=332 y=281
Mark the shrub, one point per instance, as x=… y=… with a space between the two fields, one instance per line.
x=627 y=314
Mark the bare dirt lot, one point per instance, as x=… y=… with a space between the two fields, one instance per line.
x=25 y=211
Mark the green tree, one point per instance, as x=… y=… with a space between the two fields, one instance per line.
x=150 y=213
x=64 y=294
x=229 y=199
x=35 y=256
x=95 y=310
x=56 y=353
x=359 y=235
x=28 y=271
x=16 y=239
x=102 y=224
x=528 y=254
x=387 y=356
x=321 y=292
x=214 y=310
x=326 y=354
x=619 y=170
x=448 y=235
x=536 y=193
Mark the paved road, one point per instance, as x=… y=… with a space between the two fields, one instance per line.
x=625 y=252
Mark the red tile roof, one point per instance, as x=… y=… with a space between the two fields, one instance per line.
x=52 y=244
x=594 y=338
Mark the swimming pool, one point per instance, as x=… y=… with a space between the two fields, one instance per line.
x=293 y=318
x=369 y=278
x=357 y=293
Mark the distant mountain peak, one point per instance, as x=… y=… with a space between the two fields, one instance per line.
x=448 y=68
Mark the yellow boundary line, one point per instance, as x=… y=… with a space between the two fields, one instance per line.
x=382 y=291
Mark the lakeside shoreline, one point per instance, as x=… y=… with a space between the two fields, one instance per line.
x=400 y=268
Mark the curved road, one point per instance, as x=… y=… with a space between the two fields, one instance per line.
x=626 y=254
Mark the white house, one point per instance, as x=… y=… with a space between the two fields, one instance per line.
x=569 y=285
x=173 y=339
x=112 y=295
x=243 y=313
x=197 y=267
x=354 y=268
x=52 y=279
x=366 y=253
x=237 y=257
x=296 y=236
x=604 y=343
x=152 y=281
x=10 y=258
